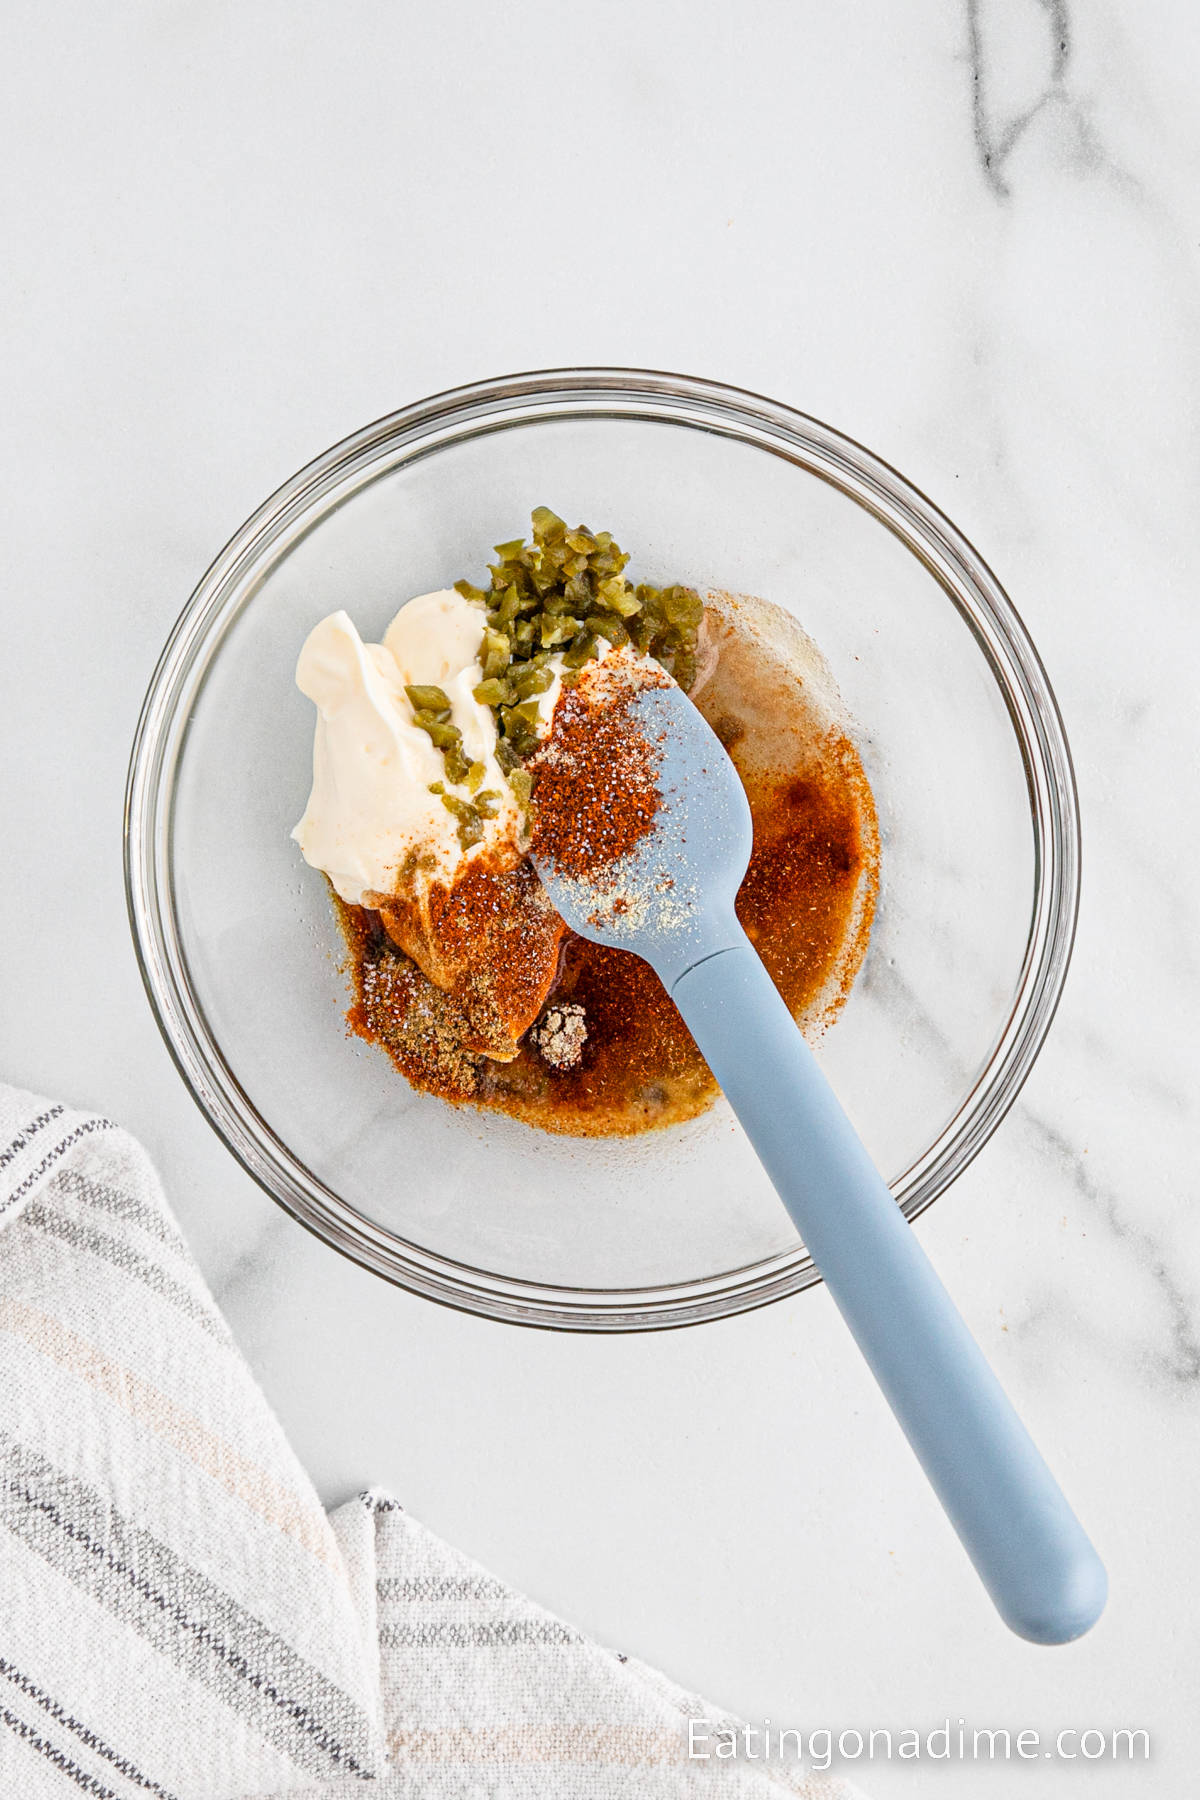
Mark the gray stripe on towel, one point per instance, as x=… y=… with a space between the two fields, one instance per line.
x=28 y=1131
x=122 y=1205
x=485 y=1634
x=84 y=1733
x=198 y=1626
x=440 y=1587
x=59 y=1758
x=34 y=1178
x=142 y=1268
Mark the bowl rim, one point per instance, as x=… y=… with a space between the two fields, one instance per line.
x=449 y=417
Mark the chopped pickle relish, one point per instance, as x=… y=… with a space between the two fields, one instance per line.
x=562 y=595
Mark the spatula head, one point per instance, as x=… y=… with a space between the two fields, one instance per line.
x=670 y=899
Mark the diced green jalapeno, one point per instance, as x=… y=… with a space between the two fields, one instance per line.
x=510 y=601
x=582 y=650
x=607 y=625
x=557 y=629
x=561 y=594
x=495 y=652
x=682 y=606
x=546 y=524
x=428 y=699
x=494 y=693
x=458 y=766
x=536 y=681
x=442 y=733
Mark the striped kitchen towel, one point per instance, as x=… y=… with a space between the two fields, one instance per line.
x=178 y=1616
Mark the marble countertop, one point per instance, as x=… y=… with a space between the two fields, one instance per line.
x=966 y=235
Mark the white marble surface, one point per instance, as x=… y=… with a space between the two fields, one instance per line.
x=967 y=236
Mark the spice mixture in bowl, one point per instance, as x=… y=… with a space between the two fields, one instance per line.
x=461 y=970
x=547 y=1147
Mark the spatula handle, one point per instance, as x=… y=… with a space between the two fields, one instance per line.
x=1030 y=1550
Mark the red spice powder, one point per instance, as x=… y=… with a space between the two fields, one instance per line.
x=803 y=908
x=490 y=941
x=808 y=852
x=806 y=903
x=596 y=784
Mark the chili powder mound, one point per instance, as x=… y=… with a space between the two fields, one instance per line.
x=490 y=942
x=595 y=785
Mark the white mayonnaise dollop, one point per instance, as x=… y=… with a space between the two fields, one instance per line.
x=370 y=805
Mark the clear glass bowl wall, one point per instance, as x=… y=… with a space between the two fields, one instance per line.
x=962 y=743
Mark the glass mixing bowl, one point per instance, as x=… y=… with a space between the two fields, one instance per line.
x=962 y=742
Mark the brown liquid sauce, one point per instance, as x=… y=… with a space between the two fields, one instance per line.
x=807 y=903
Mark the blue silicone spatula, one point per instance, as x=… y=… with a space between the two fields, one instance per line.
x=676 y=892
